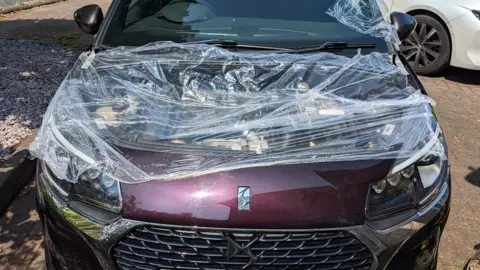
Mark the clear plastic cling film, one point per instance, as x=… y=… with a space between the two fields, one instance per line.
x=365 y=16
x=167 y=111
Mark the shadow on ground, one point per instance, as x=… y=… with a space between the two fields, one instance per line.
x=474 y=262
x=50 y=31
x=20 y=232
x=474 y=178
x=461 y=75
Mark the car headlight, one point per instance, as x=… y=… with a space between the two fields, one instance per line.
x=411 y=188
x=92 y=187
x=75 y=176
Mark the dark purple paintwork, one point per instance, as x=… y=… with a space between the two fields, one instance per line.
x=290 y=196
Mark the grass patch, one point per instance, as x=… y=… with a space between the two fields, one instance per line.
x=28 y=3
x=24 y=5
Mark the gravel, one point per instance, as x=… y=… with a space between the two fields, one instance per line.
x=30 y=73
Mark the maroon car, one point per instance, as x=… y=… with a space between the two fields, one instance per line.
x=361 y=183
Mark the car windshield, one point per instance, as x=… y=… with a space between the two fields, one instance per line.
x=281 y=23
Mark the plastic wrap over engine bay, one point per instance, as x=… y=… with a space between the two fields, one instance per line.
x=208 y=109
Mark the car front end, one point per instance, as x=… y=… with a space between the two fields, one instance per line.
x=250 y=153
x=318 y=221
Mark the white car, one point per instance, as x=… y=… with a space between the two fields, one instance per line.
x=448 y=33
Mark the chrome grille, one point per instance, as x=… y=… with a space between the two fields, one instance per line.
x=154 y=247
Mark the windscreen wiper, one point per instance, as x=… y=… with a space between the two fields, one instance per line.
x=327 y=46
x=332 y=46
x=231 y=44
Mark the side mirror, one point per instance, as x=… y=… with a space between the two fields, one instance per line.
x=89 y=18
x=404 y=23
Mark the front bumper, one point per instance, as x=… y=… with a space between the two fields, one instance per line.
x=73 y=241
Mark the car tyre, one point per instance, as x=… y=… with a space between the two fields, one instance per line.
x=428 y=49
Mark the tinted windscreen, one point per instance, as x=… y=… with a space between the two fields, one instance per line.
x=283 y=23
